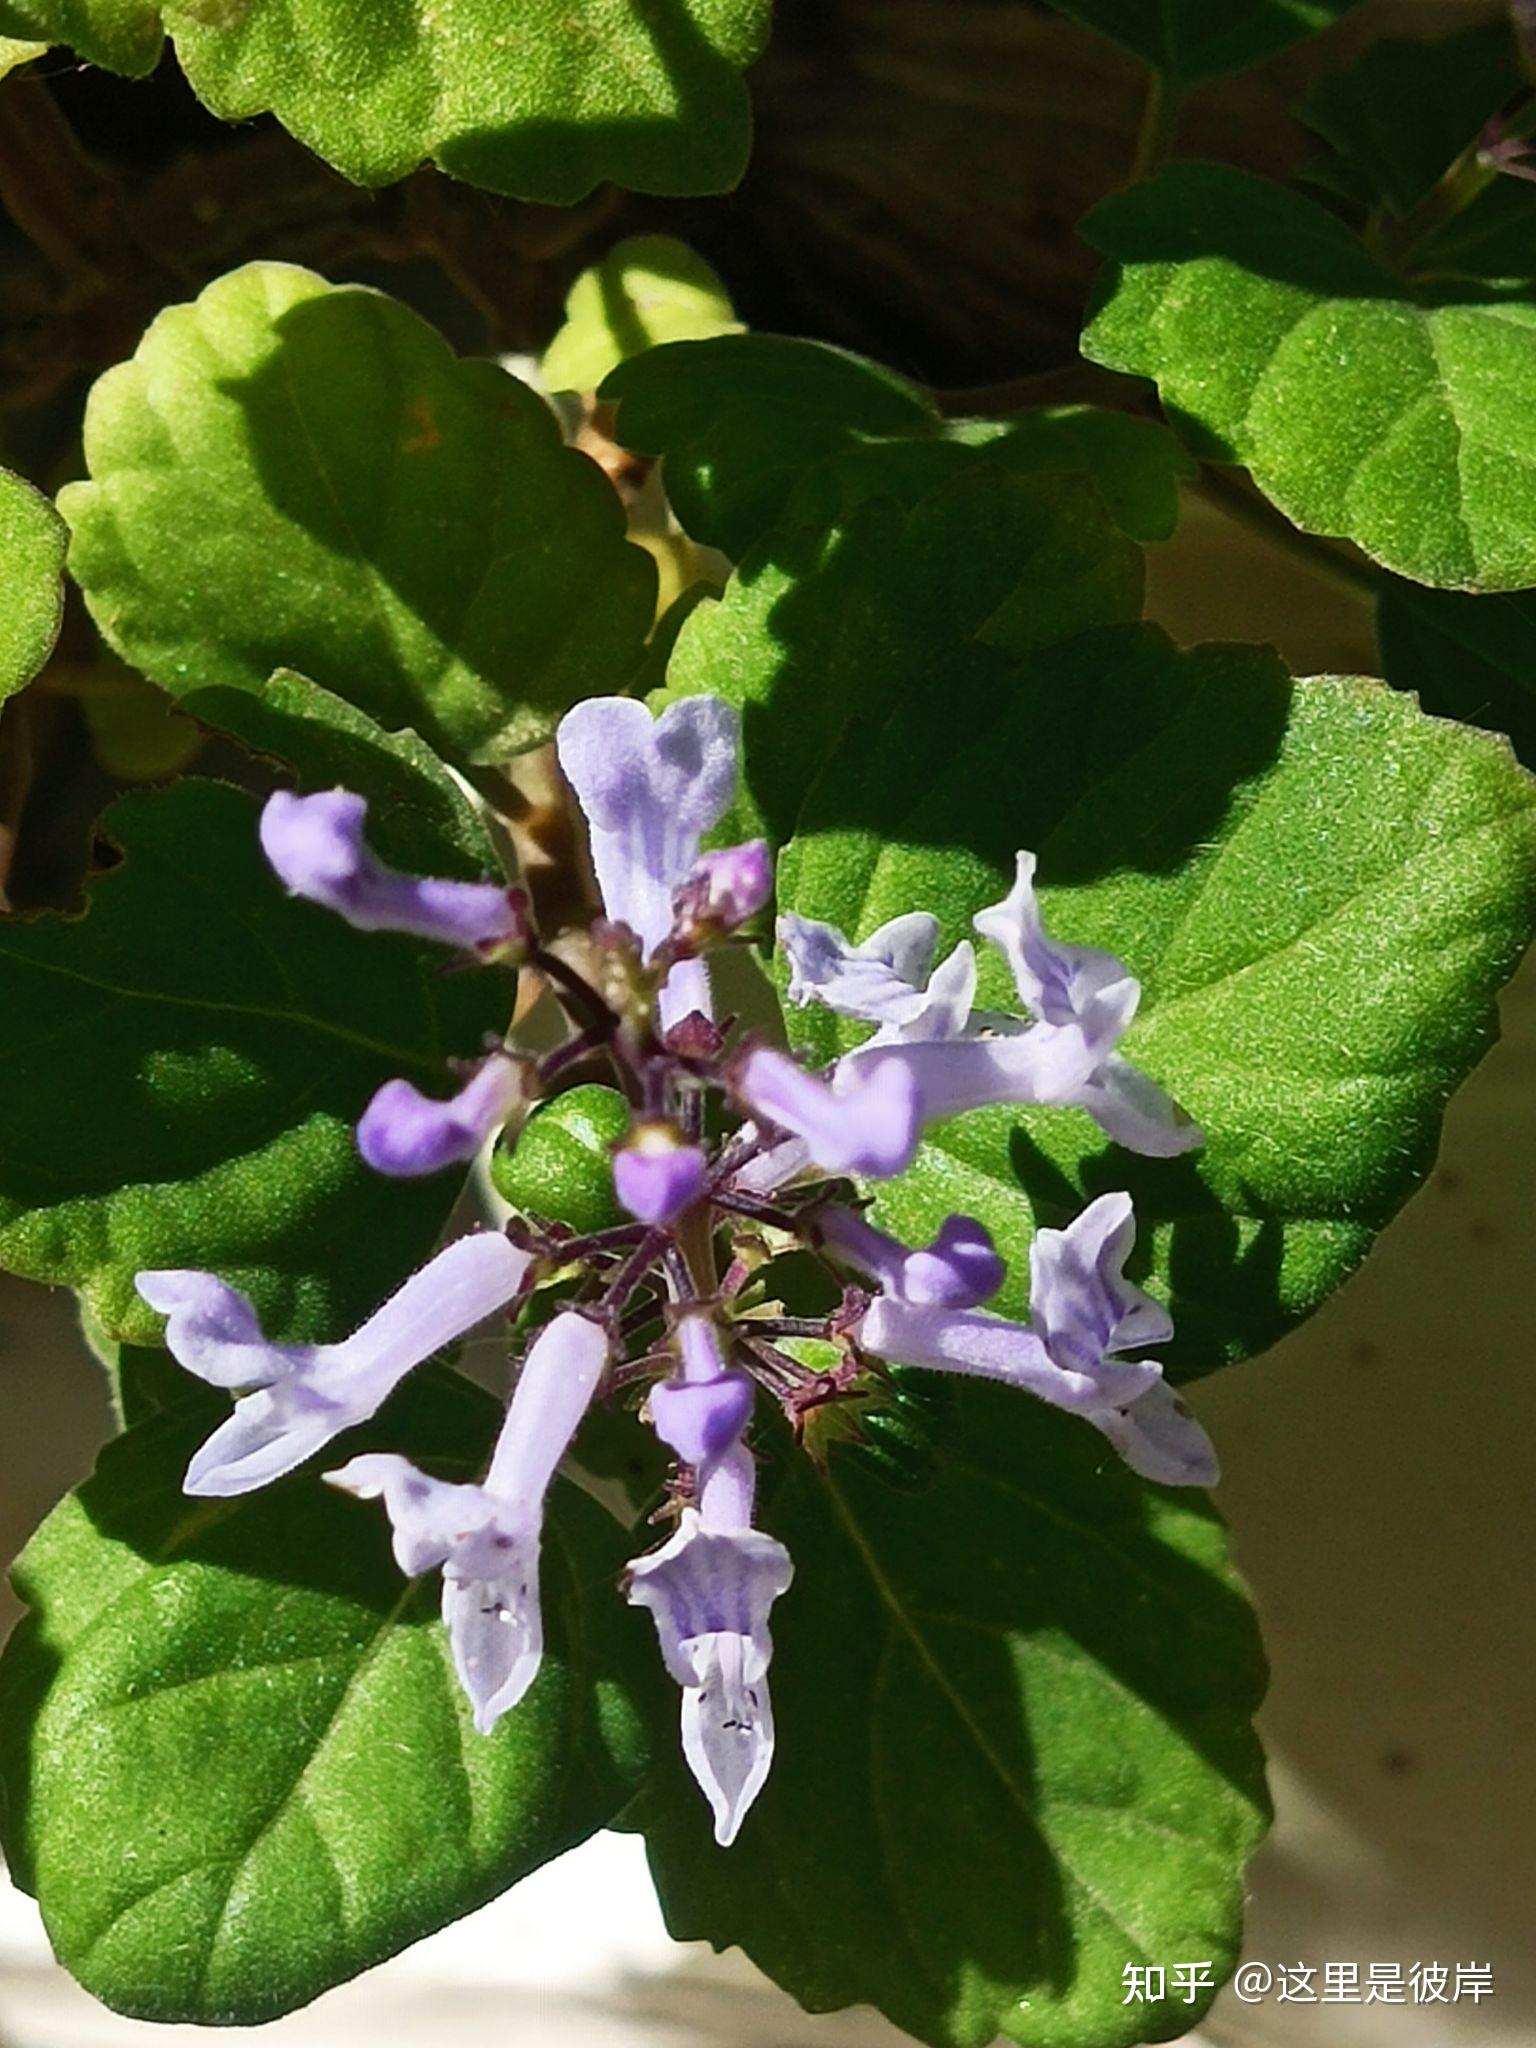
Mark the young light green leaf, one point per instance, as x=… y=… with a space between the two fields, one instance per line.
x=187 y=1062
x=1404 y=111
x=1320 y=889
x=32 y=543
x=1397 y=417
x=1188 y=40
x=14 y=53
x=542 y=102
x=1013 y=1749
x=1472 y=658
x=647 y=290
x=238 y=1767
x=291 y=473
x=741 y=421
x=820 y=633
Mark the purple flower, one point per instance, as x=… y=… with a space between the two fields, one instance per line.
x=724 y=890
x=1083 y=1314
x=404 y=1133
x=701 y=1412
x=656 y=1175
x=961 y=1268
x=306 y=1394
x=1082 y=1001
x=1089 y=995
x=650 y=789
x=315 y=845
x=486 y=1537
x=865 y=1122
x=710 y=1589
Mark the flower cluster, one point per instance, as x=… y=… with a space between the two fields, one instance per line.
x=646 y=1304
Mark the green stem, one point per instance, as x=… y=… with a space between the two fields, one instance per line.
x=1467 y=179
x=1159 y=122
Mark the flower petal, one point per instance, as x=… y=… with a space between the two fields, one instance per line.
x=1043 y=1065
x=727 y=1727
x=650 y=789
x=1130 y=1108
x=1079 y=1298
x=429 y=1518
x=1159 y=1438
x=1061 y=985
x=403 y=1133
x=972 y=1342
x=311 y=1393
x=656 y=1176
x=267 y=1435
x=315 y=845
x=880 y=980
x=212 y=1330
x=710 y=1593
x=961 y=1268
x=702 y=1410
x=868 y=1124
x=489 y=1551
x=496 y=1630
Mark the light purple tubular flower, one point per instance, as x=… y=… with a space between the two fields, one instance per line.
x=315 y=844
x=650 y=789
x=726 y=888
x=701 y=1411
x=1082 y=994
x=961 y=1058
x=404 y=1133
x=656 y=1176
x=710 y=1589
x=306 y=1394
x=1083 y=1313
x=1085 y=1309
x=867 y=1123
x=486 y=1538
x=961 y=1268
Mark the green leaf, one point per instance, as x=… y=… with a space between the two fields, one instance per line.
x=1013 y=1747
x=1189 y=40
x=647 y=290
x=419 y=818
x=560 y=1170
x=1472 y=658
x=1404 y=111
x=1320 y=889
x=122 y=35
x=819 y=634
x=14 y=53
x=542 y=102
x=32 y=542
x=238 y=1767
x=291 y=473
x=741 y=420
x=1400 y=419
x=185 y=1066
